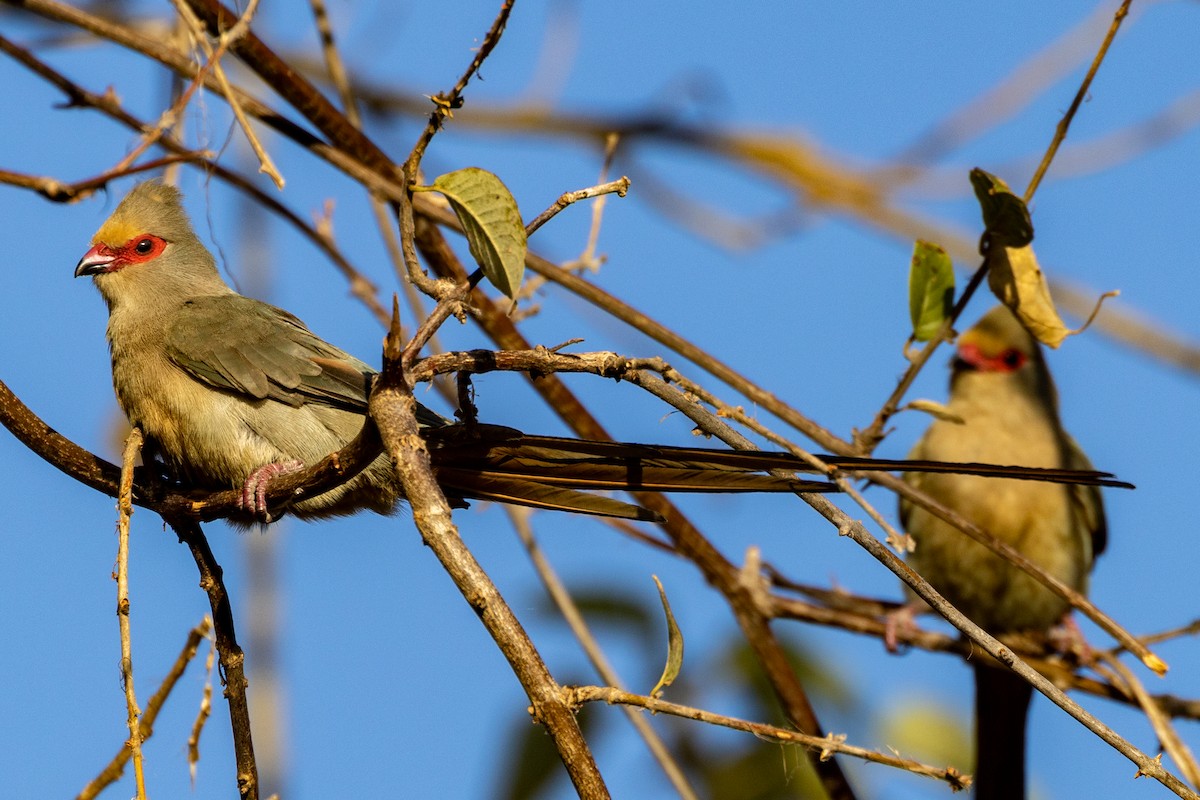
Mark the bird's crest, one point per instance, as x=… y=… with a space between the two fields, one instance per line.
x=151 y=207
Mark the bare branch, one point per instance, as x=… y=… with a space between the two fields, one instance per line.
x=133 y=446
x=1060 y=132
x=392 y=407
x=111 y=773
x=825 y=746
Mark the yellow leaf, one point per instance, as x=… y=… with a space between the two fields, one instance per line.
x=1017 y=281
x=1013 y=272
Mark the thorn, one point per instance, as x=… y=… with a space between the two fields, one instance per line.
x=393 y=346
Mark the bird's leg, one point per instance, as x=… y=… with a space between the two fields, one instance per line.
x=254 y=490
x=467 y=412
x=1067 y=638
x=901 y=620
x=156 y=464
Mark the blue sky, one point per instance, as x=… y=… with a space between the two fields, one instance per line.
x=389 y=680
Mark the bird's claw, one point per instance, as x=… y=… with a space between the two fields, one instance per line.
x=254 y=490
x=900 y=620
x=1067 y=638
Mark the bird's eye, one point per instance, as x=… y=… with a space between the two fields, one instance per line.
x=144 y=246
x=1013 y=358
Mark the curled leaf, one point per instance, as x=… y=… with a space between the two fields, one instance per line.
x=1013 y=272
x=930 y=289
x=674 y=645
x=1017 y=281
x=492 y=223
x=1005 y=216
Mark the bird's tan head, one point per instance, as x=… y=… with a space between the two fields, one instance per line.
x=147 y=223
x=998 y=351
x=146 y=257
x=997 y=343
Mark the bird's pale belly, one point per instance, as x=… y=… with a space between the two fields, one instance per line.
x=993 y=592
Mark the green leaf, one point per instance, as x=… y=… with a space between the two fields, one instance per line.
x=1005 y=215
x=492 y=223
x=930 y=289
x=674 y=645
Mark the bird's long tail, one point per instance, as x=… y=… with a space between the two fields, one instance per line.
x=1001 y=707
x=490 y=462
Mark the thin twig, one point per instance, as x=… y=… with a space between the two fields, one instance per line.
x=379 y=209
x=59 y=191
x=867 y=439
x=232 y=659
x=1060 y=131
x=824 y=745
x=333 y=61
x=1159 y=721
x=227 y=38
x=133 y=446
x=587 y=259
x=116 y=767
x=713 y=426
x=1015 y=92
x=618 y=187
x=439 y=290
x=166 y=120
x=392 y=407
x=360 y=287
x=444 y=105
x=579 y=627
x=1190 y=629
x=993 y=647
x=202 y=715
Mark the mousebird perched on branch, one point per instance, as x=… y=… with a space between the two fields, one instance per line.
x=1002 y=391
x=233 y=392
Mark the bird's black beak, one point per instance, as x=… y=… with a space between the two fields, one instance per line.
x=95 y=261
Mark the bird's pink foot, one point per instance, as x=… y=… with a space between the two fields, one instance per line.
x=1067 y=638
x=254 y=490
x=901 y=620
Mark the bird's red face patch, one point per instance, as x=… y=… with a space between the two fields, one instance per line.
x=103 y=258
x=1007 y=360
x=141 y=248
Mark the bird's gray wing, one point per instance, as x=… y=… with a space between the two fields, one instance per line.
x=1086 y=501
x=248 y=347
